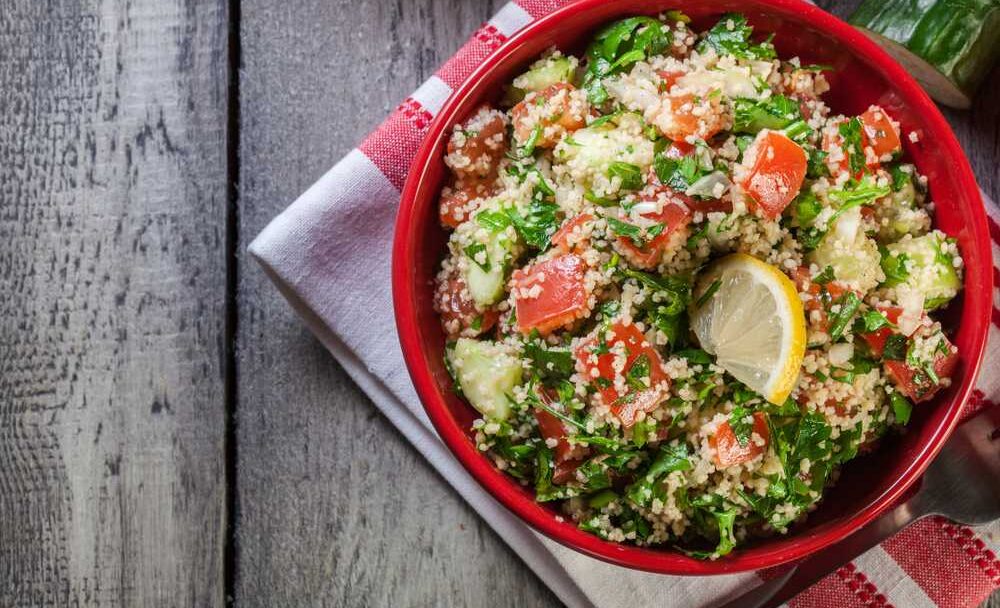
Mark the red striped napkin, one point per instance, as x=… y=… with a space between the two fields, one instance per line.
x=321 y=253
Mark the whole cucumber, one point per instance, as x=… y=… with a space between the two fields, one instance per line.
x=948 y=45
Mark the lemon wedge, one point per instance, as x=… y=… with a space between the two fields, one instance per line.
x=748 y=314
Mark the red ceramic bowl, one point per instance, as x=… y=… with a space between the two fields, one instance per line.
x=863 y=75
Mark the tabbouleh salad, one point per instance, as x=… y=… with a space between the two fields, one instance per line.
x=681 y=291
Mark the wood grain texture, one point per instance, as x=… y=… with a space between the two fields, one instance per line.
x=335 y=507
x=112 y=265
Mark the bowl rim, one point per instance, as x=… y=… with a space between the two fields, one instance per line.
x=544 y=521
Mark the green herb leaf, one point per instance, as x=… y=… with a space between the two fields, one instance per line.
x=738 y=423
x=552 y=363
x=895 y=348
x=806 y=207
x=901 y=407
x=629 y=174
x=731 y=36
x=894 y=267
x=705 y=297
x=871 y=320
x=849 y=303
x=668 y=459
x=537 y=225
x=617 y=47
x=494 y=221
x=851 y=132
x=474 y=249
x=775 y=112
x=824 y=277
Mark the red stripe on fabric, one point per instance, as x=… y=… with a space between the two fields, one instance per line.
x=974 y=547
x=859 y=584
x=994 y=228
x=540 y=8
x=995 y=316
x=976 y=403
x=416 y=114
x=483 y=42
x=392 y=146
x=828 y=593
x=935 y=562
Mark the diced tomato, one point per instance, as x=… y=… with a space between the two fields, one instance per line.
x=679 y=149
x=876 y=339
x=550 y=294
x=674 y=216
x=916 y=384
x=458 y=311
x=688 y=116
x=833 y=145
x=551 y=427
x=475 y=149
x=729 y=452
x=545 y=108
x=561 y=239
x=879 y=132
x=454 y=208
x=565 y=471
x=778 y=170
x=668 y=78
x=804 y=283
x=625 y=407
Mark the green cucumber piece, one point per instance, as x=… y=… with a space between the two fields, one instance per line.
x=545 y=73
x=929 y=268
x=948 y=45
x=487 y=375
x=853 y=260
x=486 y=282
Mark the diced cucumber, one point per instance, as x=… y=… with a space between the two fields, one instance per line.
x=486 y=277
x=948 y=45
x=853 y=256
x=901 y=212
x=545 y=73
x=487 y=375
x=925 y=264
x=589 y=152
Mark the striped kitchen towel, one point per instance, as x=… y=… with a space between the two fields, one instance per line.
x=328 y=255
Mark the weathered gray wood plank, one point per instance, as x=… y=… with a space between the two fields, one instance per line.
x=112 y=273
x=335 y=508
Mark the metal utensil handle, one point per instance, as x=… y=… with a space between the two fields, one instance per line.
x=813 y=569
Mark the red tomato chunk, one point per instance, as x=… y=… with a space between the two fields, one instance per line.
x=916 y=384
x=550 y=294
x=778 y=170
x=598 y=353
x=729 y=452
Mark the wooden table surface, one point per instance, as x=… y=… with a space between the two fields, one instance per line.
x=170 y=433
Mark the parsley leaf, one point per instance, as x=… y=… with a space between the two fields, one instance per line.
x=901 y=407
x=851 y=132
x=849 y=303
x=617 y=47
x=629 y=174
x=731 y=36
x=738 y=423
x=537 y=225
x=775 y=112
x=894 y=267
x=871 y=320
x=473 y=250
x=895 y=348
